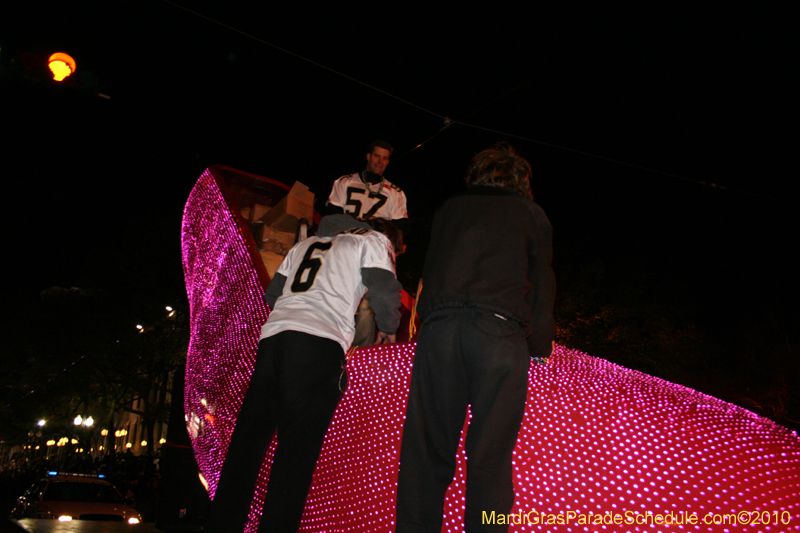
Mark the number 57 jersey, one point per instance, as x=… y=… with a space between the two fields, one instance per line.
x=323 y=283
x=381 y=200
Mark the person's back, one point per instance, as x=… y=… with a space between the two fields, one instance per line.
x=486 y=308
x=321 y=301
x=487 y=247
x=300 y=373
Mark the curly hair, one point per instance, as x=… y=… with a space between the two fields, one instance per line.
x=391 y=231
x=501 y=166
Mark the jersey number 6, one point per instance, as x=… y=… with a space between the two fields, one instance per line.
x=310 y=264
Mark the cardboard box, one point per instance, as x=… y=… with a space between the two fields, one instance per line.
x=271 y=261
x=267 y=233
x=258 y=211
x=286 y=214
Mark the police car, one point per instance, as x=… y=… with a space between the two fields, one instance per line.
x=65 y=497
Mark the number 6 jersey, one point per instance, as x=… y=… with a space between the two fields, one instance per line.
x=318 y=286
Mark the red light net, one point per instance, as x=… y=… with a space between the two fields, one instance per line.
x=602 y=447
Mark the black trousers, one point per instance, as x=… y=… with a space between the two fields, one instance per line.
x=464 y=357
x=294 y=389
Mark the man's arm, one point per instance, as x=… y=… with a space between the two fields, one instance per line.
x=334 y=209
x=541 y=297
x=274 y=290
x=399 y=210
x=337 y=197
x=383 y=294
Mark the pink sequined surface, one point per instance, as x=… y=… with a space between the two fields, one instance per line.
x=599 y=442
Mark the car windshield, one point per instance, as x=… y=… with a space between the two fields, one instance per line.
x=69 y=491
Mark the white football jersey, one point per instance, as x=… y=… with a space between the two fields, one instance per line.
x=323 y=284
x=351 y=194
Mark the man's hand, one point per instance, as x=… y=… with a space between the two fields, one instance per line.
x=385 y=338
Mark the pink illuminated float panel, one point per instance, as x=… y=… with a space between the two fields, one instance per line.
x=599 y=443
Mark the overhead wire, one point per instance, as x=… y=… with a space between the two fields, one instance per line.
x=302 y=58
x=448 y=122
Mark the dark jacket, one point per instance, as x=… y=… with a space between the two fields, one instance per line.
x=492 y=249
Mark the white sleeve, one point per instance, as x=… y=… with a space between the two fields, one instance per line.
x=377 y=252
x=399 y=209
x=338 y=194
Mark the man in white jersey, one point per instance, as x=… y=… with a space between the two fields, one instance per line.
x=367 y=194
x=299 y=374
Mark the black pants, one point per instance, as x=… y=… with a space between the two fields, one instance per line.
x=464 y=357
x=294 y=389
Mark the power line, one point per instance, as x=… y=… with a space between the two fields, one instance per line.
x=631 y=165
x=448 y=122
x=302 y=58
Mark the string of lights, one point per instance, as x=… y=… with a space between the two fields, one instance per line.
x=600 y=445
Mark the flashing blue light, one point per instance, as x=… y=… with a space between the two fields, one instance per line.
x=52 y=473
x=101 y=476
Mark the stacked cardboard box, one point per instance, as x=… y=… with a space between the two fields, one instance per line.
x=275 y=228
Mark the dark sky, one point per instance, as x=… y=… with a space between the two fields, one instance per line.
x=95 y=187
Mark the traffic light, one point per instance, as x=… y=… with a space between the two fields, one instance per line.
x=61 y=65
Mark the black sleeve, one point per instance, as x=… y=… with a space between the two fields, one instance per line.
x=331 y=209
x=383 y=295
x=542 y=295
x=274 y=290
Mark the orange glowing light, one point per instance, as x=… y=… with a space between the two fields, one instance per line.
x=61 y=65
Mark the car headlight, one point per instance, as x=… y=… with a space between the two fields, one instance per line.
x=133 y=520
x=65 y=518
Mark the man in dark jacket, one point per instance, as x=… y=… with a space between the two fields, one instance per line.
x=487 y=309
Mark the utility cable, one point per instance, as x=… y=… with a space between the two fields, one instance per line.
x=631 y=165
x=302 y=58
x=448 y=122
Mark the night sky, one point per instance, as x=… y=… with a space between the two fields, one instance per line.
x=592 y=96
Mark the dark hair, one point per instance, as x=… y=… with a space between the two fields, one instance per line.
x=501 y=166
x=380 y=144
x=394 y=235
